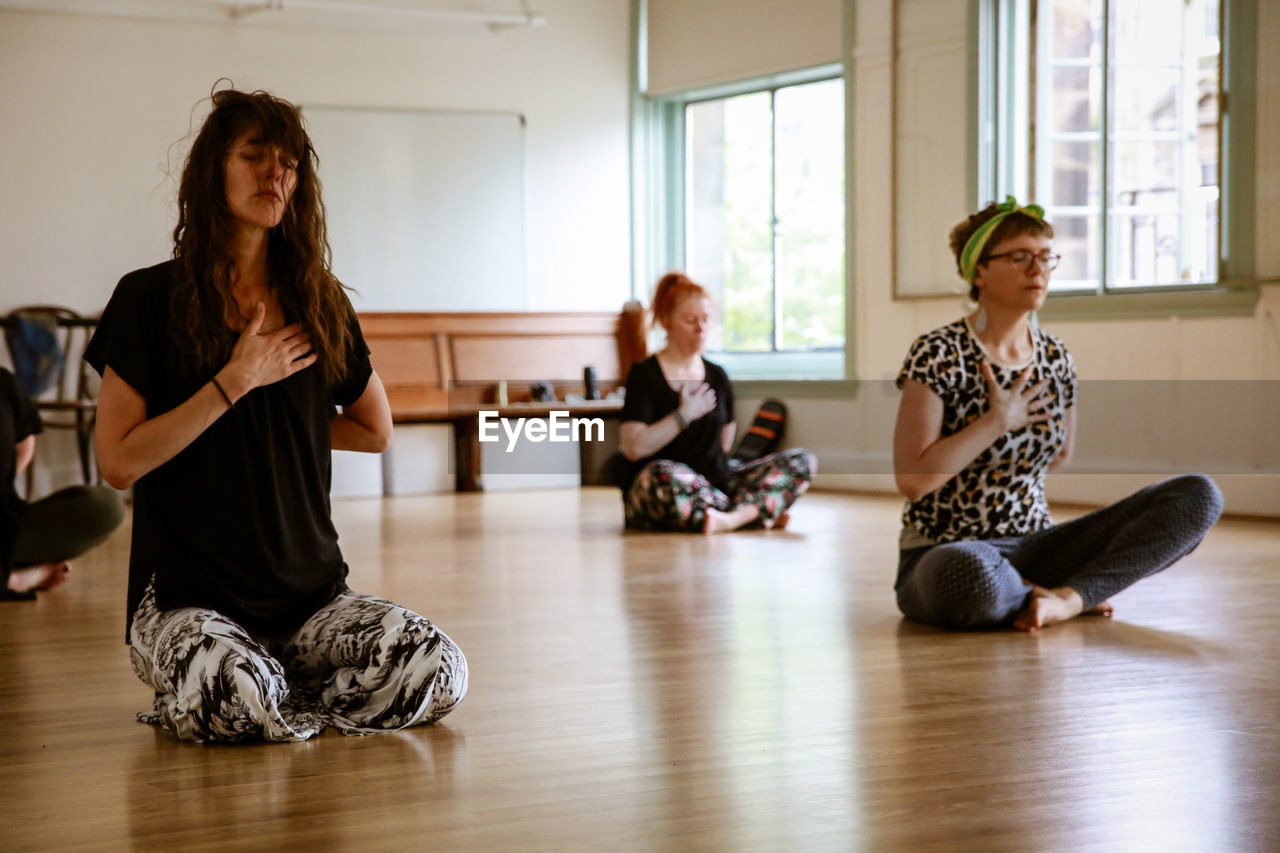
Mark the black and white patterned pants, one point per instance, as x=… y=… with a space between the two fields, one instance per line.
x=360 y=663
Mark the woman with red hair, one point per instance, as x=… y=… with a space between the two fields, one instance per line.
x=678 y=427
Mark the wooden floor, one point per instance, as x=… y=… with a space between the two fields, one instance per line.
x=659 y=692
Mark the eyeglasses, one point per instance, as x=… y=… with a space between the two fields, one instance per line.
x=1022 y=259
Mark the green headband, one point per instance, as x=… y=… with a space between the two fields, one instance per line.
x=978 y=239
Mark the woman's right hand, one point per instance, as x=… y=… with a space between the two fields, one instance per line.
x=1019 y=405
x=696 y=401
x=638 y=440
x=259 y=359
x=130 y=444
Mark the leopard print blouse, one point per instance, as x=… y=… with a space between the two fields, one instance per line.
x=1001 y=492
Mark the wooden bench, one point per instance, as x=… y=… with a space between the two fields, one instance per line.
x=446 y=368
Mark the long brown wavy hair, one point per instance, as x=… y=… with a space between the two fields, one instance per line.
x=298 y=254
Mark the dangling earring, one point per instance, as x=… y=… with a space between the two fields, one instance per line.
x=980 y=324
x=1035 y=322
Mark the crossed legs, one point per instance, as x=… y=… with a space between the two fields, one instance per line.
x=669 y=495
x=1057 y=573
x=56 y=529
x=360 y=663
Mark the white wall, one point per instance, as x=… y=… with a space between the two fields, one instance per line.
x=696 y=43
x=96 y=111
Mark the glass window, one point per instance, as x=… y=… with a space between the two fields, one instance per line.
x=764 y=215
x=1124 y=124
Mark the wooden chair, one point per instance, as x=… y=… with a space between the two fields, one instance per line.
x=69 y=400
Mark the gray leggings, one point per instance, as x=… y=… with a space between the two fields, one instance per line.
x=984 y=583
x=65 y=524
x=59 y=527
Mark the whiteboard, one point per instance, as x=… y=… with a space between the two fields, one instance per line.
x=425 y=208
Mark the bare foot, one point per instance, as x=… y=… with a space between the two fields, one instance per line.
x=723 y=522
x=1104 y=609
x=779 y=523
x=1048 y=606
x=39 y=578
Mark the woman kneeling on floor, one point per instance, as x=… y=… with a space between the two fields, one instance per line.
x=221 y=373
x=988 y=407
x=678 y=428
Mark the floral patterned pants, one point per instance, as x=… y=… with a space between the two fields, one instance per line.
x=670 y=495
x=360 y=663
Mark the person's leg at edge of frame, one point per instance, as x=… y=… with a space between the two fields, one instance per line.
x=58 y=528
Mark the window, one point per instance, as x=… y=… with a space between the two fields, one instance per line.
x=1121 y=126
x=758 y=186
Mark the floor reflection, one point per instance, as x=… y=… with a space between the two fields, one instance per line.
x=184 y=795
x=745 y=670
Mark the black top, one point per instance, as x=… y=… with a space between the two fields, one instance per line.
x=650 y=398
x=18 y=419
x=239 y=520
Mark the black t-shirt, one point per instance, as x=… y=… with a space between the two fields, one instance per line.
x=18 y=419
x=239 y=521
x=650 y=398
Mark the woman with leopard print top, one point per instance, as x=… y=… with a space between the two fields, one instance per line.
x=987 y=410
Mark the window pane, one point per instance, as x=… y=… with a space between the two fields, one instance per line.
x=1179 y=246
x=1147 y=100
x=1163 y=224
x=1147 y=175
x=1202 y=222
x=1076 y=239
x=765 y=228
x=810 y=211
x=1148 y=32
x=1076 y=176
x=1076 y=105
x=1160 y=204
x=729 y=192
x=1201 y=250
x=1077 y=29
x=1068 y=155
x=1145 y=249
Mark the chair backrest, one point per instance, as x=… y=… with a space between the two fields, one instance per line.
x=46 y=347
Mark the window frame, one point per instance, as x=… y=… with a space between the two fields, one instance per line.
x=665 y=137
x=1001 y=40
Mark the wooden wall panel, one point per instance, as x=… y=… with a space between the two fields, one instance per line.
x=438 y=361
x=526 y=358
x=406 y=361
